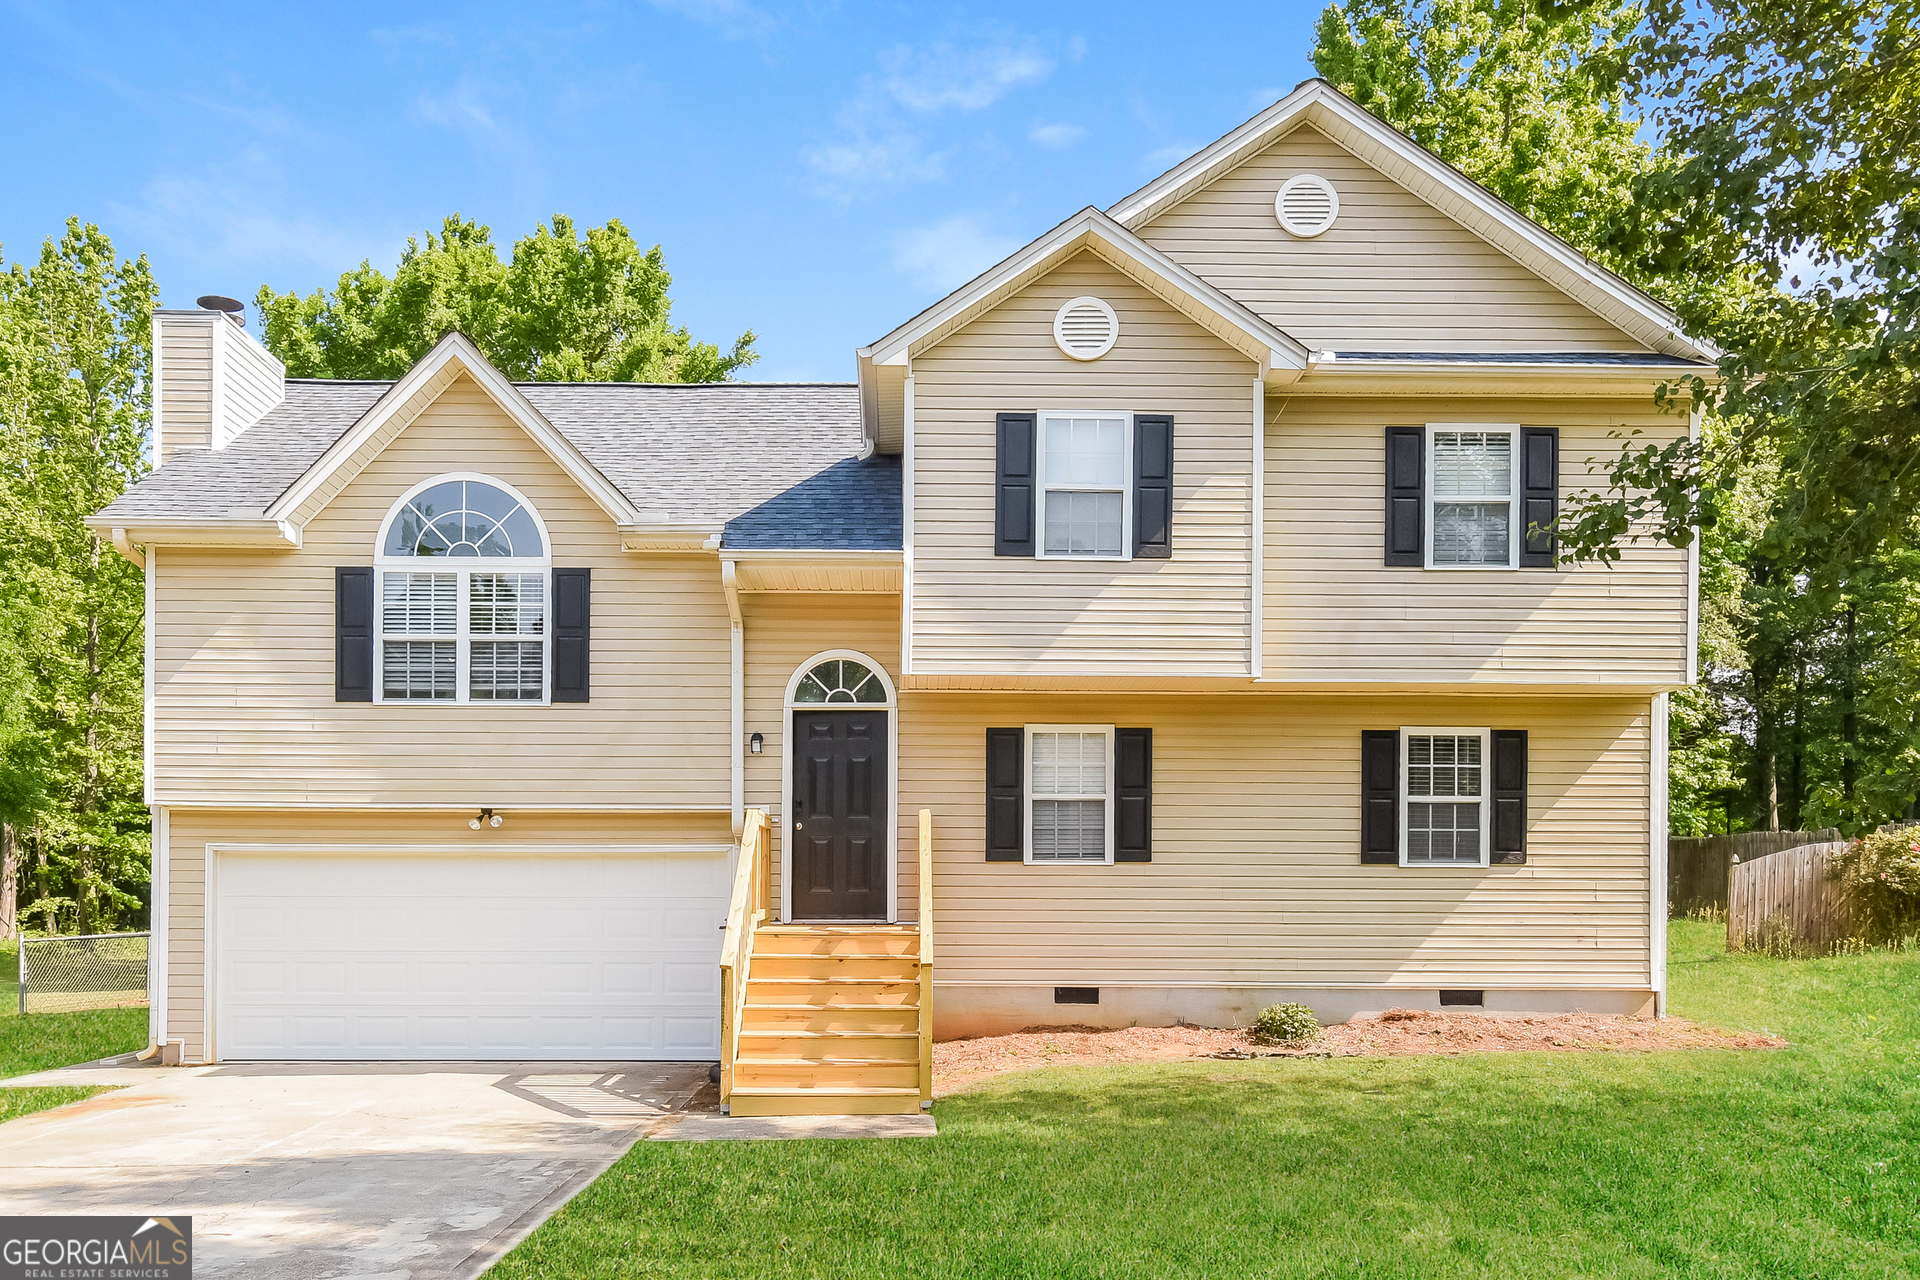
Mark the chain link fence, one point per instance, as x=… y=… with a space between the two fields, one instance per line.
x=86 y=971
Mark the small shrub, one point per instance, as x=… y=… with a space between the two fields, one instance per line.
x=1285 y=1024
x=1880 y=874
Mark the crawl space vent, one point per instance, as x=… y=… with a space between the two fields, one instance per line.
x=1307 y=205
x=1085 y=328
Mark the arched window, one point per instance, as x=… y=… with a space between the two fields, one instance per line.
x=840 y=680
x=474 y=627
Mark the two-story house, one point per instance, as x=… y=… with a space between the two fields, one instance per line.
x=1193 y=567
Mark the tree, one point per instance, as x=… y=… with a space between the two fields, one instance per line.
x=75 y=355
x=564 y=308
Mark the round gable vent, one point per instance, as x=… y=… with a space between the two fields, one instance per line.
x=1307 y=205
x=1085 y=328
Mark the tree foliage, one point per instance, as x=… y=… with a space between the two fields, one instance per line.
x=565 y=307
x=75 y=354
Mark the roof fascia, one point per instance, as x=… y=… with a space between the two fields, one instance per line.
x=1405 y=161
x=457 y=352
x=198 y=531
x=1090 y=229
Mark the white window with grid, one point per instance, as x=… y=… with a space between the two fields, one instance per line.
x=1472 y=486
x=462 y=594
x=1085 y=498
x=1443 y=808
x=1069 y=793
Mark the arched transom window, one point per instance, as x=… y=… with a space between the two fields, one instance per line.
x=473 y=628
x=464 y=518
x=840 y=680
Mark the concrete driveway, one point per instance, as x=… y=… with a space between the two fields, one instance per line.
x=377 y=1171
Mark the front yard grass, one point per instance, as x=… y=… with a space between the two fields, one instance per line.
x=1794 y=1162
x=42 y=1041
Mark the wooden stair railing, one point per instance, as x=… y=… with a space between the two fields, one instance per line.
x=752 y=890
x=821 y=1018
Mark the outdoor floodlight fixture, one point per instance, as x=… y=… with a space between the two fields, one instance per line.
x=487 y=816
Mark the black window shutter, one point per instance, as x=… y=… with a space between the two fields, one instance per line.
x=353 y=633
x=1133 y=778
x=1380 y=796
x=1006 y=796
x=1013 y=487
x=1509 y=845
x=572 y=628
x=1540 y=495
x=1153 y=486
x=1406 y=495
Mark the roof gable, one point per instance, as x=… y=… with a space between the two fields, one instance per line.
x=1093 y=231
x=1423 y=175
x=1391 y=272
x=404 y=401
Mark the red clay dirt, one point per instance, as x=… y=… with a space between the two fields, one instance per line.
x=1395 y=1033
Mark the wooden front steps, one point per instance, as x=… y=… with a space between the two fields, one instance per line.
x=823 y=1019
x=831 y=1022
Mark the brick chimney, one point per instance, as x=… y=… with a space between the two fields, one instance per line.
x=211 y=380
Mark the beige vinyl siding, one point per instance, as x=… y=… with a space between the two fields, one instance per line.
x=782 y=632
x=1256 y=877
x=248 y=382
x=1335 y=612
x=1392 y=274
x=244 y=661
x=973 y=611
x=193 y=830
x=185 y=407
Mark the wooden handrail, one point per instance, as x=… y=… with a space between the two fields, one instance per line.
x=926 y=958
x=752 y=890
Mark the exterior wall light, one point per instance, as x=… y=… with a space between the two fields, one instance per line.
x=487 y=816
x=755 y=743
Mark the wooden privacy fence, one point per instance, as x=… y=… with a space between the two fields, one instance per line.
x=1784 y=902
x=1698 y=866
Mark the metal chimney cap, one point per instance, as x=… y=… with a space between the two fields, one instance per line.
x=214 y=302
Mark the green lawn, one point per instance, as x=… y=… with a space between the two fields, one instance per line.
x=39 y=1041
x=1795 y=1162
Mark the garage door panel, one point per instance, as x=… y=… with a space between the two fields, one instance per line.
x=406 y=956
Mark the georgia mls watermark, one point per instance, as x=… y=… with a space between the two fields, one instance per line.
x=63 y=1248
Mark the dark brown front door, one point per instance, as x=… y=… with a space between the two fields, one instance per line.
x=839 y=864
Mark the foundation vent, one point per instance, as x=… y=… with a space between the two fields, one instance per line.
x=1076 y=995
x=1462 y=999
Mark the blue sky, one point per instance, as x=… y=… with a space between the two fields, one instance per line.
x=815 y=172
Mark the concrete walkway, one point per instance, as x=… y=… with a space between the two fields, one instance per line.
x=375 y=1171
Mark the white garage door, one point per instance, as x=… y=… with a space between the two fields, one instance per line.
x=498 y=957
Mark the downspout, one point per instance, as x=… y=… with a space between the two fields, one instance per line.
x=737 y=695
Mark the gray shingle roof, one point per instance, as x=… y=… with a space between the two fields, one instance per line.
x=772 y=459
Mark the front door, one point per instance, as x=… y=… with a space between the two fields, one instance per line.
x=839 y=863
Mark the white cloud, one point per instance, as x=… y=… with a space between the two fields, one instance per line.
x=1261 y=99
x=946 y=254
x=1055 y=137
x=222 y=226
x=1167 y=157
x=942 y=76
x=734 y=19
x=878 y=132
